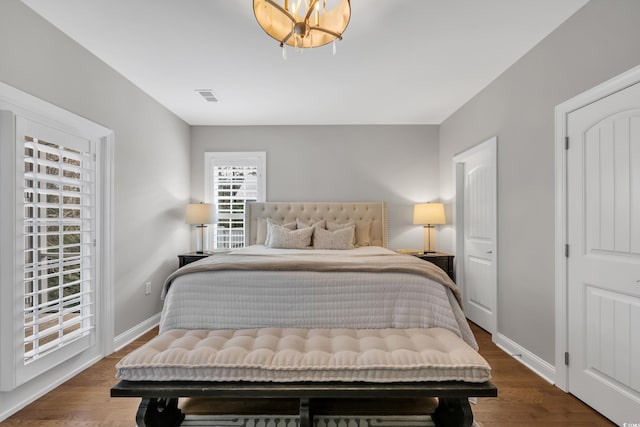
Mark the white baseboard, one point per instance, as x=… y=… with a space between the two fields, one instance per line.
x=132 y=334
x=544 y=369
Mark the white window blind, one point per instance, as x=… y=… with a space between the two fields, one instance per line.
x=234 y=180
x=59 y=226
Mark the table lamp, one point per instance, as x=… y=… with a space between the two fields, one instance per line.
x=200 y=214
x=428 y=214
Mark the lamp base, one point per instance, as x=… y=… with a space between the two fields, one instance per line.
x=200 y=239
x=427 y=239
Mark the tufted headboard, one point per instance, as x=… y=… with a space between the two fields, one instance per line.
x=340 y=212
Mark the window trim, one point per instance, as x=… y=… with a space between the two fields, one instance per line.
x=14 y=102
x=210 y=156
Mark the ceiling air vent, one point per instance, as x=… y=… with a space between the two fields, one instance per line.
x=208 y=95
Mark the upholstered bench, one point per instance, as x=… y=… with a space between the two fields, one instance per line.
x=304 y=364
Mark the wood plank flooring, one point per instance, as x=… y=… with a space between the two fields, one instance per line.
x=524 y=399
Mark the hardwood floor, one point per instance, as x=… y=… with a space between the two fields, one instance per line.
x=524 y=399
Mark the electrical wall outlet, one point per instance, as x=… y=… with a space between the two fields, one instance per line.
x=147 y=288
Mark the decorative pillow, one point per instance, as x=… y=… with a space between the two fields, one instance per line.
x=271 y=223
x=261 y=231
x=362 y=235
x=338 y=239
x=303 y=224
x=333 y=226
x=283 y=238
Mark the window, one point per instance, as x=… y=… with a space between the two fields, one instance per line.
x=56 y=308
x=58 y=223
x=231 y=181
x=56 y=201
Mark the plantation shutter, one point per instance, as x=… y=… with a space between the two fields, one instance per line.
x=59 y=225
x=235 y=181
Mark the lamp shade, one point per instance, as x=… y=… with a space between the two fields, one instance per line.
x=429 y=213
x=200 y=213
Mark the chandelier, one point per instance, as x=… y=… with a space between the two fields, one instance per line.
x=303 y=23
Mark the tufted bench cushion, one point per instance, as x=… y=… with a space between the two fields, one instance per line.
x=293 y=354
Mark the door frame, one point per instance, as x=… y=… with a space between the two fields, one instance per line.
x=491 y=145
x=562 y=111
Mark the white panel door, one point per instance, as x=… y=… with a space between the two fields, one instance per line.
x=603 y=214
x=477 y=173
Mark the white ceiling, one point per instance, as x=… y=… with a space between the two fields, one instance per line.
x=400 y=62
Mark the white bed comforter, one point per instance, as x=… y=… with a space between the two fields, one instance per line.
x=229 y=299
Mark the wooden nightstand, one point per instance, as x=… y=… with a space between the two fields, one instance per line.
x=444 y=261
x=185 y=259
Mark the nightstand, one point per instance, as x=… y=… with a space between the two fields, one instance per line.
x=185 y=259
x=444 y=261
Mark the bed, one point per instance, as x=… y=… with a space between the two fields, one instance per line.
x=285 y=320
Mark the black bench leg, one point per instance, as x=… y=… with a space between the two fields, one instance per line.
x=306 y=416
x=159 y=413
x=453 y=413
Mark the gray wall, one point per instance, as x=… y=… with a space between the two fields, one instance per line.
x=396 y=164
x=600 y=41
x=400 y=164
x=151 y=150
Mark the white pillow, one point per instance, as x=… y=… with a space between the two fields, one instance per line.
x=339 y=239
x=283 y=238
x=362 y=235
x=270 y=224
x=261 y=231
x=318 y=224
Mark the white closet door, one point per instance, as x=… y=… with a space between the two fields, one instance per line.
x=604 y=261
x=476 y=171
